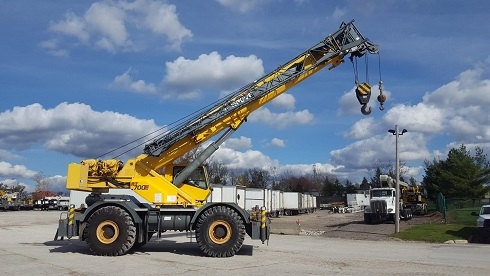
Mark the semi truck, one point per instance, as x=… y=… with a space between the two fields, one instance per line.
x=175 y=194
x=383 y=201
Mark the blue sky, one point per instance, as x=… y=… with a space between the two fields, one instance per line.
x=79 y=78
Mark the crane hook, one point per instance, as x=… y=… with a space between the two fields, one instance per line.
x=381 y=99
x=363 y=109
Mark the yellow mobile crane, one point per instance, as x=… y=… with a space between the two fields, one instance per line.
x=175 y=194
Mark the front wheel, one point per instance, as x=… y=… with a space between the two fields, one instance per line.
x=110 y=231
x=220 y=232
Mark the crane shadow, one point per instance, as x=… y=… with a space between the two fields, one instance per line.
x=189 y=248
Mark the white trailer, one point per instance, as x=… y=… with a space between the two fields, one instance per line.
x=293 y=203
x=310 y=208
x=255 y=197
x=275 y=204
x=235 y=194
x=357 y=202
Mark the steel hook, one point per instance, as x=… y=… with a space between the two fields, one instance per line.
x=363 y=110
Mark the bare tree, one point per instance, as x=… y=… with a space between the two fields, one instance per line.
x=385 y=167
x=217 y=173
x=43 y=186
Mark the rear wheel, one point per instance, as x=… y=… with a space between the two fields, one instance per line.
x=110 y=231
x=220 y=232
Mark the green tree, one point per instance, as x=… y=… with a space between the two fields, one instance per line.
x=350 y=188
x=412 y=182
x=460 y=175
x=364 y=184
x=332 y=187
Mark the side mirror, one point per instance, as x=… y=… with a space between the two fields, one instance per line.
x=474 y=214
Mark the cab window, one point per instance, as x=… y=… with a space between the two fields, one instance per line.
x=197 y=178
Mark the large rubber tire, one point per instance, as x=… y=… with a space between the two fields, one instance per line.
x=220 y=232
x=110 y=231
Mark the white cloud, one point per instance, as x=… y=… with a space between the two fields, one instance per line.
x=210 y=71
x=241 y=6
x=72 y=25
x=244 y=160
x=5 y=155
x=364 y=153
x=70 y=128
x=57 y=183
x=15 y=171
x=52 y=47
x=420 y=117
x=111 y=25
x=284 y=100
x=125 y=82
x=163 y=19
x=238 y=143
x=281 y=120
x=108 y=21
x=276 y=142
x=362 y=129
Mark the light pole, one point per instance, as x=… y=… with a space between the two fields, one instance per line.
x=397 y=188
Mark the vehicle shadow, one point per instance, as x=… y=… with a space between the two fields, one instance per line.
x=190 y=248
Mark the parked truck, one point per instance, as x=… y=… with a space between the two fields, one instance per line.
x=482 y=233
x=383 y=201
x=415 y=198
x=175 y=194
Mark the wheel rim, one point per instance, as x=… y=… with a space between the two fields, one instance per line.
x=107 y=232
x=220 y=232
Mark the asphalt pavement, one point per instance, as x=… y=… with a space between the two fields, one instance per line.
x=27 y=248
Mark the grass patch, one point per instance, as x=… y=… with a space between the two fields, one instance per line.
x=463 y=216
x=436 y=233
x=461 y=226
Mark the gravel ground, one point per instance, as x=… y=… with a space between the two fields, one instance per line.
x=347 y=226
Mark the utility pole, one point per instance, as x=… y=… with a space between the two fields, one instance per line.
x=397 y=189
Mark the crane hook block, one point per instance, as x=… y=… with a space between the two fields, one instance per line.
x=363 y=94
x=364 y=111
